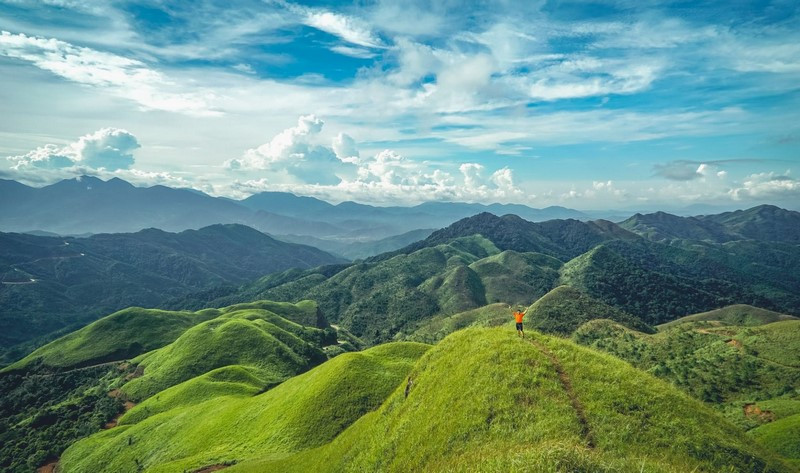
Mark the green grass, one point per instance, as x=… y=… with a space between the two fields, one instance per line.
x=782 y=436
x=232 y=380
x=738 y=314
x=258 y=338
x=119 y=336
x=727 y=366
x=564 y=309
x=436 y=328
x=134 y=331
x=516 y=278
x=304 y=412
x=484 y=400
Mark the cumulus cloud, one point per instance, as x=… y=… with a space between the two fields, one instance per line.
x=767 y=185
x=294 y=154
x=120 y=76
x=295 y=161
x=110 y=149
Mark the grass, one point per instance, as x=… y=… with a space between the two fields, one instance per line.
x=304 y=412
x=119 y=336
x=232 y=380
x=517 y=278
x=782 y=436
x=258 y=338
x=436 y=328
x=134 y=331
x=484 y=400
x=738 y=314
x=564 y=309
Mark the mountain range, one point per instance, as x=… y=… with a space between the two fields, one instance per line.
x=273 y=361
x=48 y=284
x=90 y=205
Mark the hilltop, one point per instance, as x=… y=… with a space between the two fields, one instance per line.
x=762 y=223
x=543 y=403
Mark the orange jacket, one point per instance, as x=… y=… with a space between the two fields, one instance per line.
x=518 y=316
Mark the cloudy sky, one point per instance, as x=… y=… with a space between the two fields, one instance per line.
x=623 y=104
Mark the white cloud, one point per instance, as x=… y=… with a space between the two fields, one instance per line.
x=347 y=28
x=293 y=155
x=110 y=149
x=767 y=185
x=118 y=75
x=359 y=53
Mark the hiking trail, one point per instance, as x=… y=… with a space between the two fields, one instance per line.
x=586 y=431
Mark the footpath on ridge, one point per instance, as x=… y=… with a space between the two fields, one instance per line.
x=586 y=431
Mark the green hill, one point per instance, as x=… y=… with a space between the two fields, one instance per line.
x=564 y=309
x=253 y=337
x=750 y=374
x=738 y=314
x=781 y=436
x=516 y=278
x=50 y=284
x=131 y=332
x=436 y=328
x=483 y=400
x=304 y=412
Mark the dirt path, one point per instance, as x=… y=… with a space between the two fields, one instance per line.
x=128 y=405
x=586 y=431
x=49 y=467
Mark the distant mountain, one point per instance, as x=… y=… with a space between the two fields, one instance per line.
x=764 y=223
x=486 y=259
x=49 y=283
x=90 y=205
x=562 y=239
x=359 y=249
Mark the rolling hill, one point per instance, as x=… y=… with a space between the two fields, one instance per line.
x=49 y=284
x=538 y=405
x=487 y=259
x=303 y=412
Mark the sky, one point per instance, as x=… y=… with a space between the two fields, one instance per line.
x=590 y=105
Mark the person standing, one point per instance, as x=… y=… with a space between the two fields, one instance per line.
x=518 y=315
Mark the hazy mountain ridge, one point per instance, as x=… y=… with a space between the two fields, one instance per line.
x=90 y=205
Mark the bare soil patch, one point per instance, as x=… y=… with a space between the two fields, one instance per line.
x=752 y=411
x=49 y=467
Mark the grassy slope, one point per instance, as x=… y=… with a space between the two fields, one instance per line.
x=564 y=309
x=483 y=400
x=436 y=328
x=738 y=314
x=516 y=278
x=133 y=331
x=259 y=338
x=119 y=336
x=728 y=366
x=304 y=412
x=783 y=436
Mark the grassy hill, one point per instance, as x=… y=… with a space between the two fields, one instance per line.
x=386 y=298
x=751 y=374
x=131 y=332
x=436 y=328
x=48 y=284
x=564 y=309
x=304 y=412
x=258 y=338
x=483 y=400
x=738 y=314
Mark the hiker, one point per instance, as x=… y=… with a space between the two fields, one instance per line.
x=518 y=315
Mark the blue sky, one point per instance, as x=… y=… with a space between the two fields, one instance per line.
x=591 y=105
